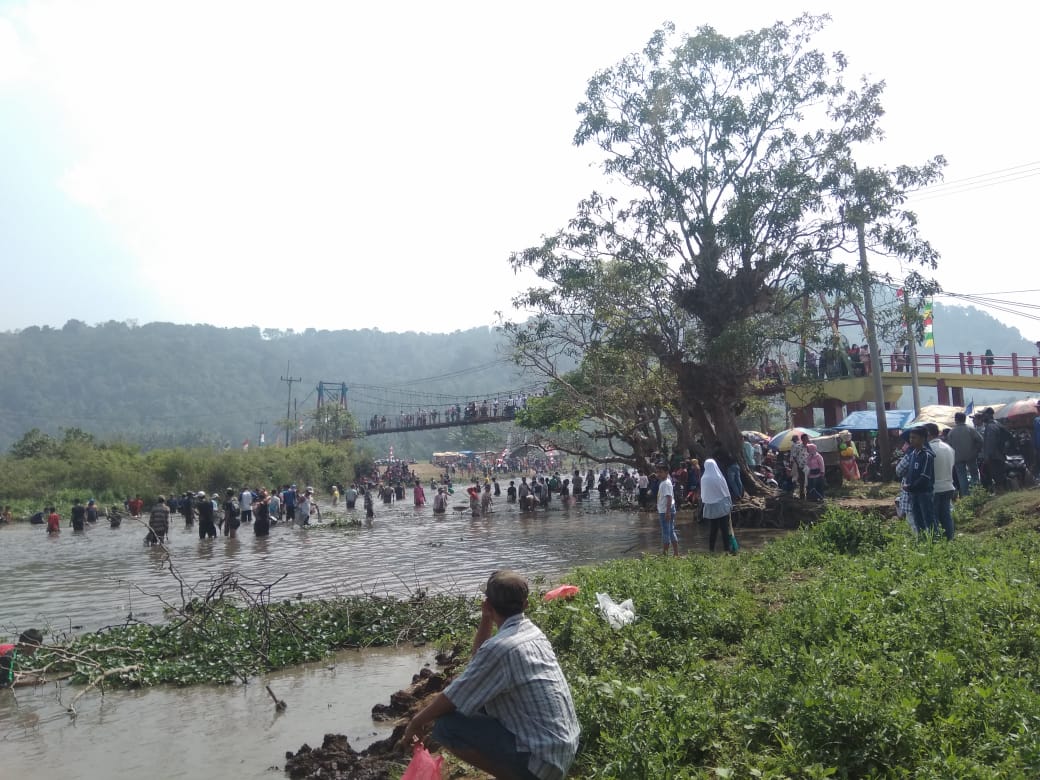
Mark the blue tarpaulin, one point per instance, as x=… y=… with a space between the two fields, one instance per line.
x=897 y=419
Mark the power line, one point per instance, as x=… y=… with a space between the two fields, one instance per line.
x=980 y=186
x=976 y=177
x=451 y=374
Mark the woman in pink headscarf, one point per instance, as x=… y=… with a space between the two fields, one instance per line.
x=816 y=470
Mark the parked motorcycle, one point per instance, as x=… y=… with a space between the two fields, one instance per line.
x=1016 y=472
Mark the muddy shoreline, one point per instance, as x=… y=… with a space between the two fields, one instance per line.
x=336 y=759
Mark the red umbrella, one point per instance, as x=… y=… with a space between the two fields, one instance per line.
x=1025 y=407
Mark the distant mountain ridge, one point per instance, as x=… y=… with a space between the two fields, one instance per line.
x=162 y=384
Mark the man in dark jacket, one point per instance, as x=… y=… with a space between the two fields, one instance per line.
x=967 y=445
x=158 y=522
x=919 y=480
x=204 y=507
x=995 y=439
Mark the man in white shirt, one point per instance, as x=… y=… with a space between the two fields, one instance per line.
x=943 y=491
x=643 y=485
x=303 y=507
x=666 y=510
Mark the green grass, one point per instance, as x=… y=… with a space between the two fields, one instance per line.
x=849 y=650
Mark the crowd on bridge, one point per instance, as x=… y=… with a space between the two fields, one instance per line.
x=845 y=360
x=489 y=409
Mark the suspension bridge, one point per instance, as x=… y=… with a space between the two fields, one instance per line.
x=385 y=409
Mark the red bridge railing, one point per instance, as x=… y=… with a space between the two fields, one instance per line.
x=965 y=363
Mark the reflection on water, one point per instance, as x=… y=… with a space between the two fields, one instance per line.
x=203 y=731
x=96 y=578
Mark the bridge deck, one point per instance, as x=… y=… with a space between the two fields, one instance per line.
x=435 y=426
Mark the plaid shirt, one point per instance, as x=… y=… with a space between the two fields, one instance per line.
x=515 y=678
x=903 y=500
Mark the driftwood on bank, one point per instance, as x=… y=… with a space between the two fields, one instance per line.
x=785 y=511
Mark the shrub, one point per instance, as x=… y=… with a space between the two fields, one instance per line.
x=849 y=533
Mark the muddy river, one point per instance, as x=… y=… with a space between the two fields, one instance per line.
x=95 y=578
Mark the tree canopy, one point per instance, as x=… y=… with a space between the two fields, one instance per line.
x=732 y=185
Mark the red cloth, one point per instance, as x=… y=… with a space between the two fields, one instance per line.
x=562 y=592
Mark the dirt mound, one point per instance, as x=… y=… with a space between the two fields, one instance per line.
x=336 y=759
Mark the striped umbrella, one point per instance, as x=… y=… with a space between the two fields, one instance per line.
x=1025 y=408
x=783 y=440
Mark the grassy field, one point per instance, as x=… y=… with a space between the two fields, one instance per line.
x=847 y=650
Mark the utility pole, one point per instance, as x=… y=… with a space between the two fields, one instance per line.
x=288 y=404
x=911 y=340
x=260 y=432
x=883 y=442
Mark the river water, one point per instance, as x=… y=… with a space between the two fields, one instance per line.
x=83 y=581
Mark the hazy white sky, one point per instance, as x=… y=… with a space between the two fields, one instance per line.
x=352 y=165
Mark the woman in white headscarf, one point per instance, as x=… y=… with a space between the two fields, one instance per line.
x=717 y=504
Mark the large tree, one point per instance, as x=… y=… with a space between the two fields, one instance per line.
x=731 y=164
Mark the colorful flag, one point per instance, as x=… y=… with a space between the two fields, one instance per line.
x=970 y=408
x=929 y=339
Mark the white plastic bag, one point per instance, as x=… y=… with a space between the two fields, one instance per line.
x=617 y=615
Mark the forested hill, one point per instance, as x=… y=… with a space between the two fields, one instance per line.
x=162 y=384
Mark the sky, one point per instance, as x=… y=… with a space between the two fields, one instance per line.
x=339 y=165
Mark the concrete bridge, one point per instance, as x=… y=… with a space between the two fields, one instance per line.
x=951 y=375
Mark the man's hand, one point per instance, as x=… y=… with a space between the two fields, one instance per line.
x=487 y=613
x=410 y=736
x=441 y=705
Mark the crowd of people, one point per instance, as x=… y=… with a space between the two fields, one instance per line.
x=495 y=408
x=939 y=466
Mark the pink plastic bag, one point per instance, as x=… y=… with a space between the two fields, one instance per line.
x=562 y=592
x=423 y=765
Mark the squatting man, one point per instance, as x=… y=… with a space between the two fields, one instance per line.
x=510 y=712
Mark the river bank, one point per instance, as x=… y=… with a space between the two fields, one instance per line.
x=850 y=649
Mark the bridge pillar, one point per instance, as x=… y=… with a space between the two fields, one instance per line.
x=802 y=418
x=1014 y=364
x=831 y=412
x=958 y=396
x=943 y=392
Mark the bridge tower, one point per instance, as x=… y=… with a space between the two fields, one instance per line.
x=326 y=391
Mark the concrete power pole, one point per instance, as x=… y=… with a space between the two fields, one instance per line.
x=883 y=442
x=911 y=340
x=288 y=404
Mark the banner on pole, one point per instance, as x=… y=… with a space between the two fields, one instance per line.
x=929 y=339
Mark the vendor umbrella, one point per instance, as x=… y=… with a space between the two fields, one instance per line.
x=1025 y=408
x=782 y=441
x=756 y=435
